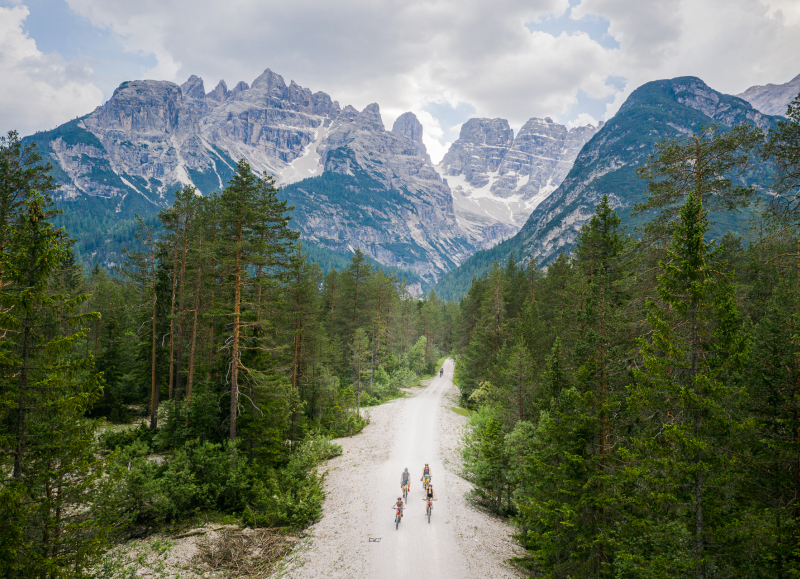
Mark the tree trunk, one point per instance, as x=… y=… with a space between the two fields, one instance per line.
x=19 y=448
x=190 y=378
x=172 y=317
x=237 y=298
x=179 y=349
x=298 y=339
x=153 y=388
x=154 y=392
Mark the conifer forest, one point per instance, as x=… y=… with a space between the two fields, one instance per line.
x=634 y=406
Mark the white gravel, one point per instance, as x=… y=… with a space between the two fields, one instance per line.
x=461 y=541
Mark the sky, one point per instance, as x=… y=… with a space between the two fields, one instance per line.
x=575 y=61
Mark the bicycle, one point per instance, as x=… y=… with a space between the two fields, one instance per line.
x=429 y=510
x=398 y=517
x=405 y=492
x=426 y=481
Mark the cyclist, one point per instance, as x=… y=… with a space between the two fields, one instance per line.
x=441 y=371
x=399 y=505
x=430 y=495
x=404 y=478
x=426 y=475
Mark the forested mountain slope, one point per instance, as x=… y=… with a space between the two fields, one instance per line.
x=607 y=166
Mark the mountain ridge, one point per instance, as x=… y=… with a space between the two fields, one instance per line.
x=606 y=166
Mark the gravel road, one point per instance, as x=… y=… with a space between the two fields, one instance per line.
x=460 y=542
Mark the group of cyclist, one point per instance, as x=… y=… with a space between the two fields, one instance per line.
x=427 y=485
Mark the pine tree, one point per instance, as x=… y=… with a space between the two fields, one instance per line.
x=360 y=362
x=254 y=235
x=708 y=164
x=46 y=388
x=687 y=390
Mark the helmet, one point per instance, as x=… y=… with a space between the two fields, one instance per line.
x=406 y=468
x=399 y=498
x=426 y=464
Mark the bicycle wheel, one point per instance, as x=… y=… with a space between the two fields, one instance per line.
x=397 y=522
x=429 y=514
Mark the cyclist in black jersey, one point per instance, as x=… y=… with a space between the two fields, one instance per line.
x=430 y=495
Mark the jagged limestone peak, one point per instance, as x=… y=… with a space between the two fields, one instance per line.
x=193 y=88
x=370 y=118
x=220 y=93
x=409 y=126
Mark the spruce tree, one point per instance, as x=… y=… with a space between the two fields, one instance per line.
x=687 y=391
x=50 y=470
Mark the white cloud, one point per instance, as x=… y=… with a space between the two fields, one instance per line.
x=410 y=54
x=582 y=120
x=40 y=90
x=432 y=135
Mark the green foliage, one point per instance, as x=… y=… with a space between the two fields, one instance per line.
x=636 y=404
x=49 y=474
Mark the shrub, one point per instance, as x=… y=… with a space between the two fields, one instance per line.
x=111 y=440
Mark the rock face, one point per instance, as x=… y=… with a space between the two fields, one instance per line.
x=772 y=99
x=152 y=137
x=379 y=194
x=409 y=126
x=607 y=164
x=498 y=179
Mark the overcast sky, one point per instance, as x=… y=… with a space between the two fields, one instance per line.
x=573 y=60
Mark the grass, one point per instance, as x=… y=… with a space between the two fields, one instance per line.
x=462 y=411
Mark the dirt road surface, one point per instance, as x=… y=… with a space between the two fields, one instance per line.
x=460 y=542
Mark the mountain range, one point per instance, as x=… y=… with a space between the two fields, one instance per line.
x=352 y=182
x=355 y=184
x=607 y=165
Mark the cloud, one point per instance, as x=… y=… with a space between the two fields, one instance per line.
x=581 y=120
x=402 y=55
x=40 y=90
x=448 y=58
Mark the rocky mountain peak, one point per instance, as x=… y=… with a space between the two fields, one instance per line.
x=321 y=104
x=193 y=88
x=240 y=87
x=220 y=93
x=409 y=126
x=349 y=113
x=139 y=106
x=498 y=179
x=480 y=149
x=370 y=118
x=772 y=99
x=271 y=83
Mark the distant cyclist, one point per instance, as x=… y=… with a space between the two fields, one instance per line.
x=441 y=371
x=426 y=475
x=404 y=478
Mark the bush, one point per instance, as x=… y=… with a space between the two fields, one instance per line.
x=295 y=495
x=111 y=440
x=217 y=476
